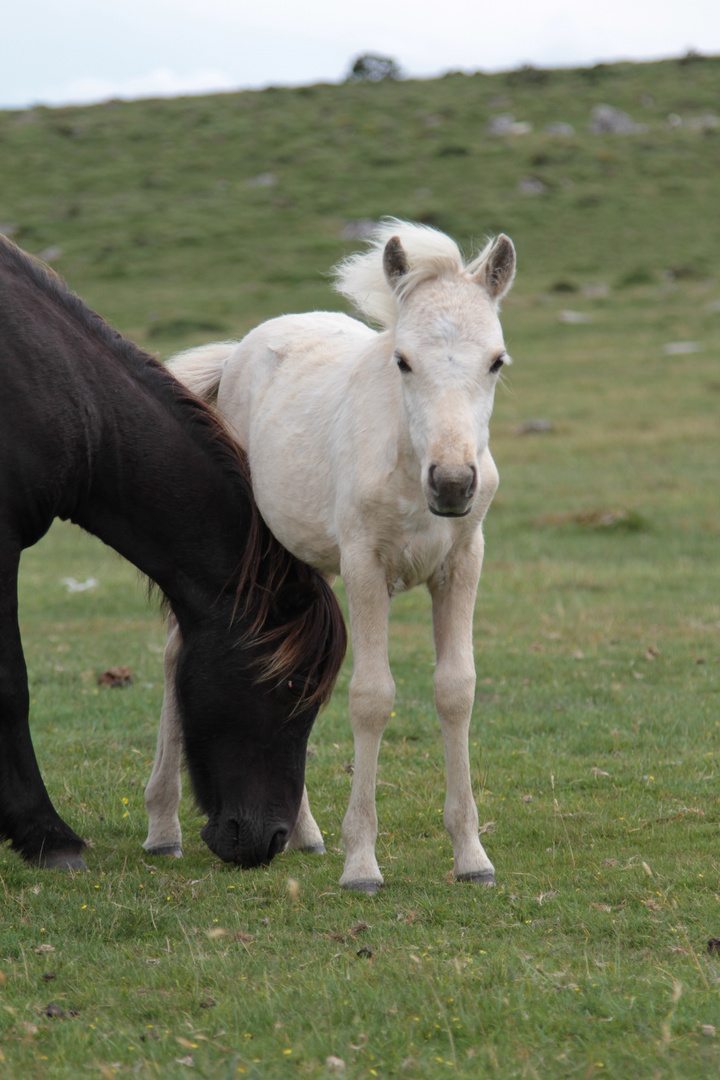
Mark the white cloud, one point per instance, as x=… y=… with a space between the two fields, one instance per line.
x=162 y=82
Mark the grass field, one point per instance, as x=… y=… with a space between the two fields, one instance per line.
x=597 y=730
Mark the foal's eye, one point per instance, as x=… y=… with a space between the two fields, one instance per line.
x=402 y=363
x=494 y=368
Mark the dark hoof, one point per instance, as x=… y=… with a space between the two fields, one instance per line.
x=174 y=851
x=313 y=849
x=63 y=860
x=485 y=878
x=367 y=887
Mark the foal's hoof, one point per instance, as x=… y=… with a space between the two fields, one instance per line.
x=311 y=849
x=370 y=888
x=486 y=877
x=174 y=851
x=63 y=860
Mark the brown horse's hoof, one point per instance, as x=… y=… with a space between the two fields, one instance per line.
x=63 y=860
x=173 y=851
x=370 y=888
x=487 y=877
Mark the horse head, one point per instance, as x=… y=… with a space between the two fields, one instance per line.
x=449 y=349
x=247 y=715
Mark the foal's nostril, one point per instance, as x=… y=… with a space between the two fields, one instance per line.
x=431 y=480
x=472 y=485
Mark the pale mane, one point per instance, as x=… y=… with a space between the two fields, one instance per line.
x=430 y=254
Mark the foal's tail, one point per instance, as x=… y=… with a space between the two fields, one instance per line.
x=201 y=369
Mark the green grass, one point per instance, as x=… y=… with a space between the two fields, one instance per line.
x=597 y=730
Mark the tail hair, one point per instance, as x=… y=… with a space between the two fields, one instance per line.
x=200 y=369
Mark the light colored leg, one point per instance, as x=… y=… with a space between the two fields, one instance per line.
x=372 y=693
x=306 y=835
x=453 y=603
x=162 y=795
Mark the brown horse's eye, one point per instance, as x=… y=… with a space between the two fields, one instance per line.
x=296 y=688
x=402 y=363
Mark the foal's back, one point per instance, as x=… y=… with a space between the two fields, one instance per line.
x=290 y=393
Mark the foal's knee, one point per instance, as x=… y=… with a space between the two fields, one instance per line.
x=454 y=693
x=371 y=702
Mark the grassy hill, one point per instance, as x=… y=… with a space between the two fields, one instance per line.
x=192 y=219
x=220 y=211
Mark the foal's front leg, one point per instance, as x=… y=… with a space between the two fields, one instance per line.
x=372 y=692
x=453 y=598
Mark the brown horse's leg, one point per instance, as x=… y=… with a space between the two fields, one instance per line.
x=27 y=817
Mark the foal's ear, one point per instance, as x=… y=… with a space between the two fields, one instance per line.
x=496 y=273
x=395 y=262
x=293 y=600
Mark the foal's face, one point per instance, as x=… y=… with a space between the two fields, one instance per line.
x=245 y=747
x=449 y=350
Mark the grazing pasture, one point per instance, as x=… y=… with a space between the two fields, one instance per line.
x=596 y=733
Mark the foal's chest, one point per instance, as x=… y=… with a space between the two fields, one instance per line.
x=417 y=559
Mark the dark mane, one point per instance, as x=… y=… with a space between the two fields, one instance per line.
x=314 y=640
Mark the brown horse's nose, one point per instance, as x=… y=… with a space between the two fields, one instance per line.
x=451 y=488
x=238 y=841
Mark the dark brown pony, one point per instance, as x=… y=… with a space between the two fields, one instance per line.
x=95 y=431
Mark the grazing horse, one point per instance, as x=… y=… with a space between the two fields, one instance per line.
x=369 y=458
x=95 y=431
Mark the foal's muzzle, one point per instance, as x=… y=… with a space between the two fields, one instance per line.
x=450 y=489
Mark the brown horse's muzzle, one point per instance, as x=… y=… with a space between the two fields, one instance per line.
x=235 y=841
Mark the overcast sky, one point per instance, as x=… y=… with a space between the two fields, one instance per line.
x=74 y=51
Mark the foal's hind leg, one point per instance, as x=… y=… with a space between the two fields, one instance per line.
x=453 y=603
x=27 y=817
x=162 y=794
x=306 y=835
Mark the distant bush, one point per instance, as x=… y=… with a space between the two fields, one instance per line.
x=372 y=68
x=640 y=275
x=182 y=327
x=527 y=75
x=692 y=56
x=597 y=72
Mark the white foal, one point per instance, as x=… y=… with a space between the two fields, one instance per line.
x=369 y=457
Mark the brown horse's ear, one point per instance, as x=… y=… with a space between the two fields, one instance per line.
x=395 y=262
x=496 y=273
x=293 y=600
